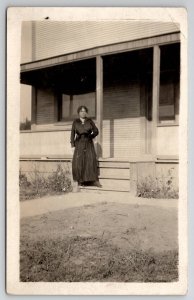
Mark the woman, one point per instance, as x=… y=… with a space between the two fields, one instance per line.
x=84 y=164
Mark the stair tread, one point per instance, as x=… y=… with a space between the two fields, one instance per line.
x=90 y=188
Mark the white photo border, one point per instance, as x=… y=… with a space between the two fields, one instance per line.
x=15 y=17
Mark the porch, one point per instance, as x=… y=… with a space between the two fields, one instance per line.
x=132 y=92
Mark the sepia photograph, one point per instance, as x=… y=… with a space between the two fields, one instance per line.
x=101 y=106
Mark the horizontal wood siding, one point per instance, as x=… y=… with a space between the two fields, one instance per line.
x=168 y=140
x=45 y=107
x=40 y=144
x=52 y=38
x=121 y=124
x=26 y=42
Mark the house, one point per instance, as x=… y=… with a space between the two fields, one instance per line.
x=128 y=75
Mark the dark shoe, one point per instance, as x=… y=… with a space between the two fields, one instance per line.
x=97 y=184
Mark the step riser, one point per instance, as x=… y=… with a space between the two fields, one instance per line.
x=116 y=185
x=112 y=173
x=114 y=164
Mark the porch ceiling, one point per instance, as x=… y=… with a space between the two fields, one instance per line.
x=76 y=78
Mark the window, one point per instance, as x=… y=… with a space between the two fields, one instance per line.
x=169 y=95
x=169 y=84
x=70 y=103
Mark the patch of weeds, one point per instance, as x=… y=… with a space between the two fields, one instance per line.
x=37 y=186
x=161 y=188
x=92 y=259
x=59 y=180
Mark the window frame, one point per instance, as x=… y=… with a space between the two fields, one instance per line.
x=68 y=120
x=176 y=80
x=175 y=121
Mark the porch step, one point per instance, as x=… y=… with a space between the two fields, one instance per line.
x=114 y=164
x=114 y=173
x=113 y=176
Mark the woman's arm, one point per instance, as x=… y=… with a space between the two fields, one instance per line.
x=94 y=130
x=72 y=139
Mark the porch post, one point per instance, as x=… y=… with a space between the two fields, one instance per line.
x=155 y=96
x=99 y=102
x=33 y=108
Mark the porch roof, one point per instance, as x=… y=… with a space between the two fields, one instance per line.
x=103 y=50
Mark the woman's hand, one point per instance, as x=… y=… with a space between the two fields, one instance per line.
x=91 y=135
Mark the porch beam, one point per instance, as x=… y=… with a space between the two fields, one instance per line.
x=99 y=102
x=155 y=96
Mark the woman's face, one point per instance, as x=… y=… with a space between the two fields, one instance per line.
x=82 y=113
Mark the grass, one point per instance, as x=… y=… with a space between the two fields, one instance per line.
x=92 y=259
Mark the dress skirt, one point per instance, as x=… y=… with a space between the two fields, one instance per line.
x=84 y=164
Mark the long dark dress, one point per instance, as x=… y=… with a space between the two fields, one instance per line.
x=84 y=164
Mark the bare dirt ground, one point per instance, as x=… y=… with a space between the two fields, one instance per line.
x=104 y=241
x=127 y=226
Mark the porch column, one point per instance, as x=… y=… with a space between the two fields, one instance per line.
x=33 y=108
x=99 y=102
x=155 y=96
